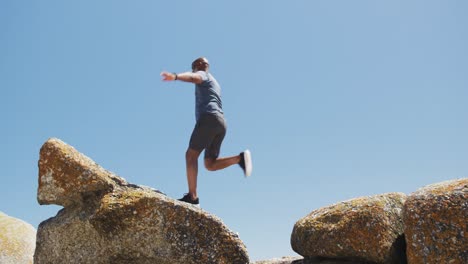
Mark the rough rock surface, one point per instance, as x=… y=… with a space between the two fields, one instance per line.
x=436 y=218
x=107 y=220
x=65 y=175
x=366 y=229
x=317 y=260
x=283 y=260
x=17 y=241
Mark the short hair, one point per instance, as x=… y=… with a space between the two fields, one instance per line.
x=199 y=61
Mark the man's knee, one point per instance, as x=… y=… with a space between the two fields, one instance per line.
x=210 y=164
x=191 y=154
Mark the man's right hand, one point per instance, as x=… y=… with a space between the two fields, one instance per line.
x=168 y=76
x=184 y=77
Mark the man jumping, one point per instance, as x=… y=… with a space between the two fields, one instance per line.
x=210 y=127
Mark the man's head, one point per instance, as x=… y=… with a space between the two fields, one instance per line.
x=200 y=64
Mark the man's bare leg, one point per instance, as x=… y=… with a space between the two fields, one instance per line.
x=191 y=161
x=221 y=163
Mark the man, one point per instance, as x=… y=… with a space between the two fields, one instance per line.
x=210 y=127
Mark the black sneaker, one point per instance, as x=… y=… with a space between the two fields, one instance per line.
x=246 y=163
x=188 y=199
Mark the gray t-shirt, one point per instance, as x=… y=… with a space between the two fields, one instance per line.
x=208 y=96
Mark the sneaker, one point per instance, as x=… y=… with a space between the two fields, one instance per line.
x=188 y=199
x=246 y=163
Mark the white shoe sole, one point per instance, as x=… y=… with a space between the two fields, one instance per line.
x=248 y=163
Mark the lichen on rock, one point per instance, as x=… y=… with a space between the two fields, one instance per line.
x=362 y=229
x=436 y=223
x=107 y=220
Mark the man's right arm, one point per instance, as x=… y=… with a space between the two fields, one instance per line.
x=185 y=77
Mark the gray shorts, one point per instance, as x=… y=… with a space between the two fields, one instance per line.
x=208 y=135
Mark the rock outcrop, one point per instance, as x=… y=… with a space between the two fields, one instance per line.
x=367 y=229
x=17 y=241
x=107 y=220
x=436 y=219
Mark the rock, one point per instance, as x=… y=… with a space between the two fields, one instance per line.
x=316 y=260
x=298 y=260
x=435 y=219
x=17 y=241
x=66 y=176
x=283 y=260
x=107 y=220
x=366 y=229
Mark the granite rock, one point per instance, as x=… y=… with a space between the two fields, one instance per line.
x=435 y=219
x=360 y=230
x=67 y=176
x=283 y=260
x=107 y=220
x=17 y=241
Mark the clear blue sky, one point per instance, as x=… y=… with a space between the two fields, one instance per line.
x=335 y=99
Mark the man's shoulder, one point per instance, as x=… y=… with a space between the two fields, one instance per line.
x=203 y=74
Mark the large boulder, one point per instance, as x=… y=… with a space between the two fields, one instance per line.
x=107 y=220
x=17 y=241
x=366 y=229
x=435 y=219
